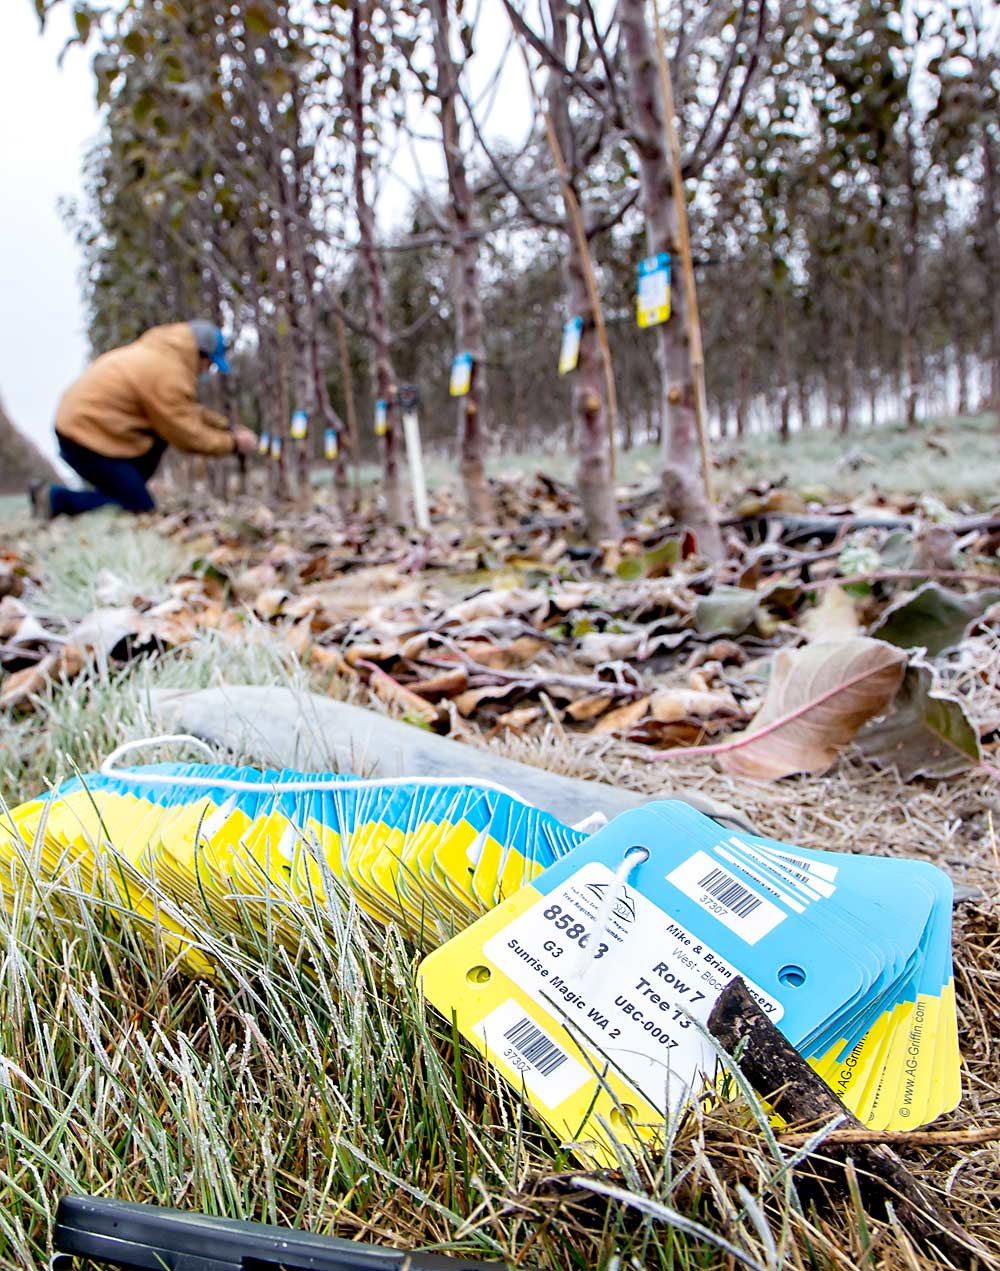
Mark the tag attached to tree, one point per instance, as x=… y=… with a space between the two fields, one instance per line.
x=300 y=425
x=330 y=446
x=461 y=375
x=264 y=443
x=569 y=353
x=275 y=447
x=653 y=297
x=381 y=418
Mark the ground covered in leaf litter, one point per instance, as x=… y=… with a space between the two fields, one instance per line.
x=862 y=644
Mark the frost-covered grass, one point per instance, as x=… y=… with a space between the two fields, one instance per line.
x=957 y=460
x=304 y=1082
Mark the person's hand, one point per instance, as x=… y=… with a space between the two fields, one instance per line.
x=244 y=440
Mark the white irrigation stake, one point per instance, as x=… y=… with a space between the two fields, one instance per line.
x=408 y=401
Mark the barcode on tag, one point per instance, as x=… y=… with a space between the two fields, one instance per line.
x=726 y=897
x=536 y=1048
x=724 y=887
x=517 y=1041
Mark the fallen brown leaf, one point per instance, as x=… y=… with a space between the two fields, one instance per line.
x=19 y=688
x=390 y=690
x=623 y=717
x=467 y=702
x=520 y=717
x=669 y=705
x=834 y=618
x=325 y=658
x=501 y=657
x=589 y=707
x=818 y=698
x=251 y=582
x=447 y=684
x=298 y=637
x=356 y=654
x=268 y=604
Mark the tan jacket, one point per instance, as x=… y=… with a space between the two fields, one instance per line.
x=147 y=389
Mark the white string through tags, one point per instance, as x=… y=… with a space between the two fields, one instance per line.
x=589 y=954
x=302 y=785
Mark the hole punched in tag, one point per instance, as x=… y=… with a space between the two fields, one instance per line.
x=792 y=976
x=636 y=855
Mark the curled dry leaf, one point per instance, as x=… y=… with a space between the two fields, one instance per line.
x=356 y=654
x=19 y=688
x=501 y=657
x=298 y=637
x=834 y=618
x=268 y=604
x=520 y=717
x=466 y=702
x=623 y=717
x=251 y=582
x=447 y=684
x=589 y=707
x=64 y=664
x=104 y=629
x=668 y=705
x=818 y=698
x=389 y=690
x=496 y=604
x=597 y=647
x=324 y=658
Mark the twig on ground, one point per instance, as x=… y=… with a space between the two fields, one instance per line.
x=798 y=1094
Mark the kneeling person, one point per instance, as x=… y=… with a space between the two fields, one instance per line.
x=115 y=422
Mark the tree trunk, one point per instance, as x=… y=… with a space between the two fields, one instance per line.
x=465 y=290
x=279 y=409
x=353 y=439
x=991 y=220
x=846 y=395
x=742 y=398
x=962 y=376
x=785 y=392
x=590 y=406
x=805 y=409
x=385 y=377
x=909 y=268
x=312 y=390
x=683 y=485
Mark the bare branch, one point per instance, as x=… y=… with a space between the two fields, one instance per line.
x=696 y=164
x=549 y=222
x=551 y=58
x=721 y=93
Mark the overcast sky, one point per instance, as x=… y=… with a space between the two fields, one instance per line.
x=48 y=116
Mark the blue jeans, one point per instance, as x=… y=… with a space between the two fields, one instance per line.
x=117 y=481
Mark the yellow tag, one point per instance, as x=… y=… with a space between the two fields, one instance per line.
x=653 y=296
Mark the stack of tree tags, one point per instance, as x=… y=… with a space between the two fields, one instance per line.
x=591 y=987
x=230 y=843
